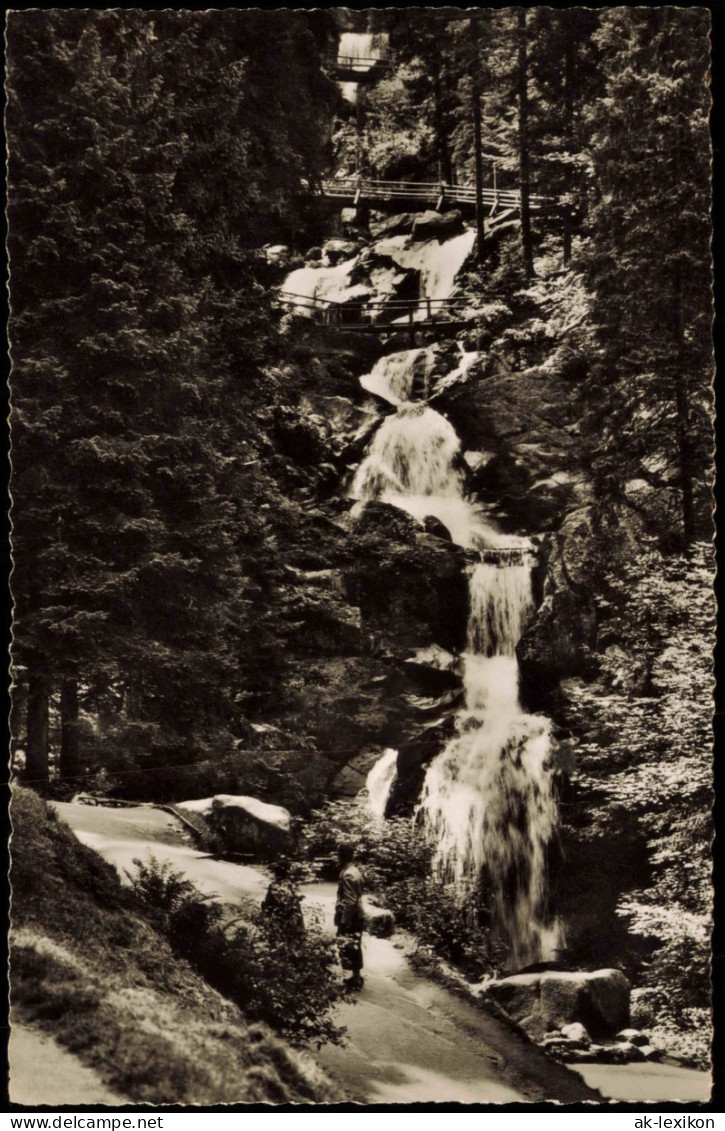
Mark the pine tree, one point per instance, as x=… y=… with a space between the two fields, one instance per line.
x=649 y=263
x=140 y=166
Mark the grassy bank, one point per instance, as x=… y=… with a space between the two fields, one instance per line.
x=88 y=968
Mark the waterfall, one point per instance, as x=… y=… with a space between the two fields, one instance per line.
x=412 y=453
x=438 y=263
x=413 y=463
x=379 y=783
x=488 y=801
x=331 y=283
x=392 y=377
x=364 y=46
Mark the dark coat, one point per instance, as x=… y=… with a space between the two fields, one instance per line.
x=348 y=912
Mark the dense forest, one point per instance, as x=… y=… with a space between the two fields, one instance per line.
x=198 y=610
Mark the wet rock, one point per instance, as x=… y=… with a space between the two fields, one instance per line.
x=436 y=658
x=353 y=776
x=414 y=755
x=342 y=428
x=633 y=1036
x=245 y=824
x=434 y=671
x=618 y=1054
x=649 y=1052
x=283 y=257
x=576 y=1032
x=411 y=587
x=433 y=525
x=401 y=224
x=477 y=461
x=337 y=251
x=441 y=224
x=551 y=999
x=568 y=1053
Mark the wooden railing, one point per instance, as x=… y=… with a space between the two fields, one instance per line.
x=354 y=189
x=356 y=68
x=383 y=316
x=352 y=62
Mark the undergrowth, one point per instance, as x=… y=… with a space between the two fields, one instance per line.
x=395 y=858
x=273 y=971
x=89 y=966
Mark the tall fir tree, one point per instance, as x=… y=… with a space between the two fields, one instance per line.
x=141 y=163
x=649 y=261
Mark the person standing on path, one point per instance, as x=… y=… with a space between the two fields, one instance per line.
x=349 y=918
x=283 y=902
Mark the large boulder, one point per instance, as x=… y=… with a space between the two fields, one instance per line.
x=441 y=224
x=545 y=1001
x=411 y=587
x=347 y=427
x=246 y=824
x=401 y=224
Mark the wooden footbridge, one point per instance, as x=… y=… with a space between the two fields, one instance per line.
x=397 y=196
x=354 y=68
x=380 y=317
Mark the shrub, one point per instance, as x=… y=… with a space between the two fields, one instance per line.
x=396 y=860
x=271 y=970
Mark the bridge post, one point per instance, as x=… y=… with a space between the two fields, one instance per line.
x=411 y=331
x=428 y=308
x=362 y=209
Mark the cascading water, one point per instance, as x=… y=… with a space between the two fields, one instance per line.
x=359 y=49
x=438 y=262
x=364 y=46
x=330 y=283
x=393 y=376
x=488 y=801
x=379 y=783
x=413 y=464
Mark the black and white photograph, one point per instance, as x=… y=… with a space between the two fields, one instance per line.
x=362 y=428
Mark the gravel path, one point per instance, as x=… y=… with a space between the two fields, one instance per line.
x=409 y=1039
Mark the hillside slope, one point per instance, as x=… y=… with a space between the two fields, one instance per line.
x=88 y=969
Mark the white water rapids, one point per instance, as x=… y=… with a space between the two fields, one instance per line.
x=488 y=802
x=437 y=263
x=379 y=783
x=363 y=46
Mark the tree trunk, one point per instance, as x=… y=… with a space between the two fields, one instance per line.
x=569 y=64
x=36 y=747
x=685 y=459
x=524 y=160
x=682 y=410
x=445 y=168
x=69 y=738
x=477 y=141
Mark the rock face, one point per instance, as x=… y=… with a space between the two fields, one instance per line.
x=441 y=224
x=559 y=641
x=546 y=1001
